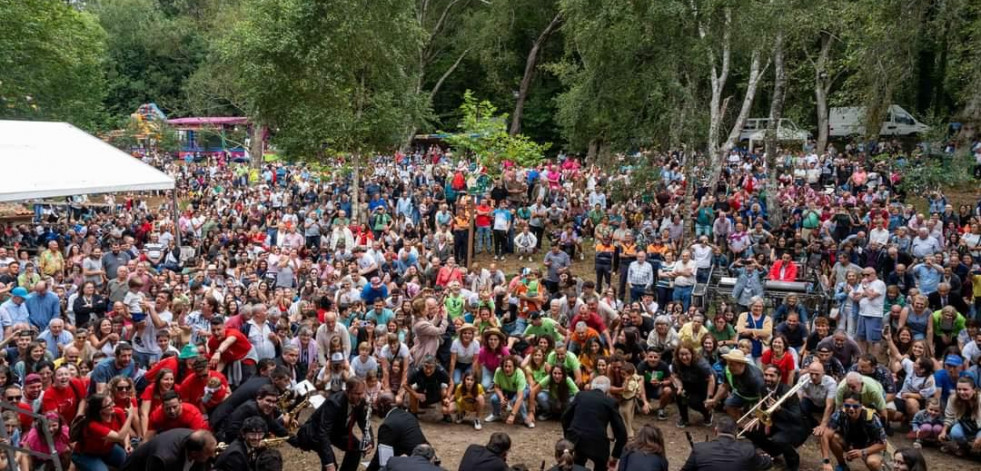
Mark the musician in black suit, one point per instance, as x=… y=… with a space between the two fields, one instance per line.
x=247 y=391
x=399 y=429
x=423 y=458
x=340 y=421
x=725 y=453
x=247 y=452
x=788 y=431
x=585 y=422
x=177 y=449
x=264 y=407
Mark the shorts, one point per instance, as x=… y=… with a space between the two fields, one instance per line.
x=736 y=402
x=869 y=329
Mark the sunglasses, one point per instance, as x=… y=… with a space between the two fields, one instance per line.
x=123 y=388
x=14 y=398
x=852 y=406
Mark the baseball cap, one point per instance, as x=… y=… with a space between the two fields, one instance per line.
x=32 y=378
x=19 y=291
x=337 y=356
x=953 y=360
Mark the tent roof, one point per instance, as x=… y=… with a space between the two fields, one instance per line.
x=47 y=159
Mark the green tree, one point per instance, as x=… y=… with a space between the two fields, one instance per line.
x=483 y=133
x=328 y=77
x=51 y=58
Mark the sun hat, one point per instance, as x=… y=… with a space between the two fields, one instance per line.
x=736 y=355
x=465 y=327
x=188 y=352
x=494 y=331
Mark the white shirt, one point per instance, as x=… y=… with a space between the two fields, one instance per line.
x=641 y=274
x=873 y=307
x=702 y=255
x=682 y=280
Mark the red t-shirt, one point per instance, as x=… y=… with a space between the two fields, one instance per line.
x=26 y=421
x=64 y=401
x=192 y=390
x=169 y=363
x=190 y=418
x=150 y=395
x=483 y=220
x=95 y=437
x=785 y=364
x=237 y=351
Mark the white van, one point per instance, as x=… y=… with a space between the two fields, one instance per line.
x=850 y=121
x=755 y=130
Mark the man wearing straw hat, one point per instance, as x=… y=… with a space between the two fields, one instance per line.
x=743 y=384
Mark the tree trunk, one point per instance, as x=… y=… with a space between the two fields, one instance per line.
x=691 y=184
x=755 y=73
x=774 y=208
x=822 y=85
x=355 y=188
x=530 y=64
x=256 y=145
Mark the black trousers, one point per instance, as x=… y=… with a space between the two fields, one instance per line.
x=692 y=401
x=601 y=274
x=585 y=453
x=779 y=443
x=351 y=461
x=500 y=242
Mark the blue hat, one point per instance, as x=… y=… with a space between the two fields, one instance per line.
x=953 y=360
x=19 y=291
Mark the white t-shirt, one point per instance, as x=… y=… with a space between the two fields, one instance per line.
x=702 y=254
x=464 y=355
x=685 y=280
x=873 y=307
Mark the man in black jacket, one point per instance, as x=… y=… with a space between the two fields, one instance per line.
x=493 y=457
x=264 y=406
x=278 y=377
x=585 y=422
x=725 y=453
x=339 y=422
x=399 y=429
x=788 y=430
x=423 y=459
x=177 y=449
x=246 y=453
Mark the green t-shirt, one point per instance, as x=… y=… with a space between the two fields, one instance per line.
x=454 y=306
x=547 y=328
x=571 y=361
x=724 y=335
x=514 y=383
x=547 y=385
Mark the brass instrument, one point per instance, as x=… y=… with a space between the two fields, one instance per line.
x=367 y=439
x=271 y=442
x=763 y=411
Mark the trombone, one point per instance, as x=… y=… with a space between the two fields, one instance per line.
x=763 y=411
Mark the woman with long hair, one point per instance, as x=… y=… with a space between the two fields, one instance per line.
x=35 y=355
x=645 y=452
x=552 y=395
x=101 y=435
x=565 y=457
x=779 y=355
x=908 y=459
x=152 y=396
x=694 y=381
x=962 y=418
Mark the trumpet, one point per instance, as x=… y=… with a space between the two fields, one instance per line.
x=271 y=442
x=763 y=411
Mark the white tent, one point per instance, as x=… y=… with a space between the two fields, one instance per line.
x=46 y=159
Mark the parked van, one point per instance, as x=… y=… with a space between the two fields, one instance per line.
x=850 y=121
x=787 y=130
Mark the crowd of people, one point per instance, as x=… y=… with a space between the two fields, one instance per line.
x=147 y=336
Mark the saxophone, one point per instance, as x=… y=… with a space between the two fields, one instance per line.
x=367 y=439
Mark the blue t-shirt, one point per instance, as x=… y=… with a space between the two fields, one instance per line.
x=106 y=370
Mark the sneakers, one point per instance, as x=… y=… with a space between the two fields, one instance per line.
x=492 y=418
x=459 y=419
x=541 y=417
x=662 y=414
x=707 y=421
x=476 y=424
x=681 y=423
x=530 y=424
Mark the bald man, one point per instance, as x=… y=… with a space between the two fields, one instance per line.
x=817 y=396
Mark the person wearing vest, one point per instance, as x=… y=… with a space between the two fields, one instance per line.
x=605 y=251
x=743 y=384
x=625 y=254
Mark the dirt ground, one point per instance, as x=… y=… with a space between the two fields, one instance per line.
x=532 y=446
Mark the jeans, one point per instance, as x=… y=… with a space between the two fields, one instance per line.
x=542 y=403
x=483 y=239
x=683 y=294
x=85 y=462
x=460 y=370
x=703 y=229
x=851 y=321
x=496 y=403
x=957 y=434
x=636 y=292
x=486 y=378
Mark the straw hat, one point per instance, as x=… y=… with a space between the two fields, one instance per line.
x=465 y=327
x=736 y=355
x=494 y=331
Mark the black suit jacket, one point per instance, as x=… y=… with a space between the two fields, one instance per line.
x=234 y=458
x=233 y=425
x=952 y=300
x=242 y=394
x=401 y=431
x=410 y=463
x=164 y=453
x=585 y=422
x=328 y=427
x=723 y=454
